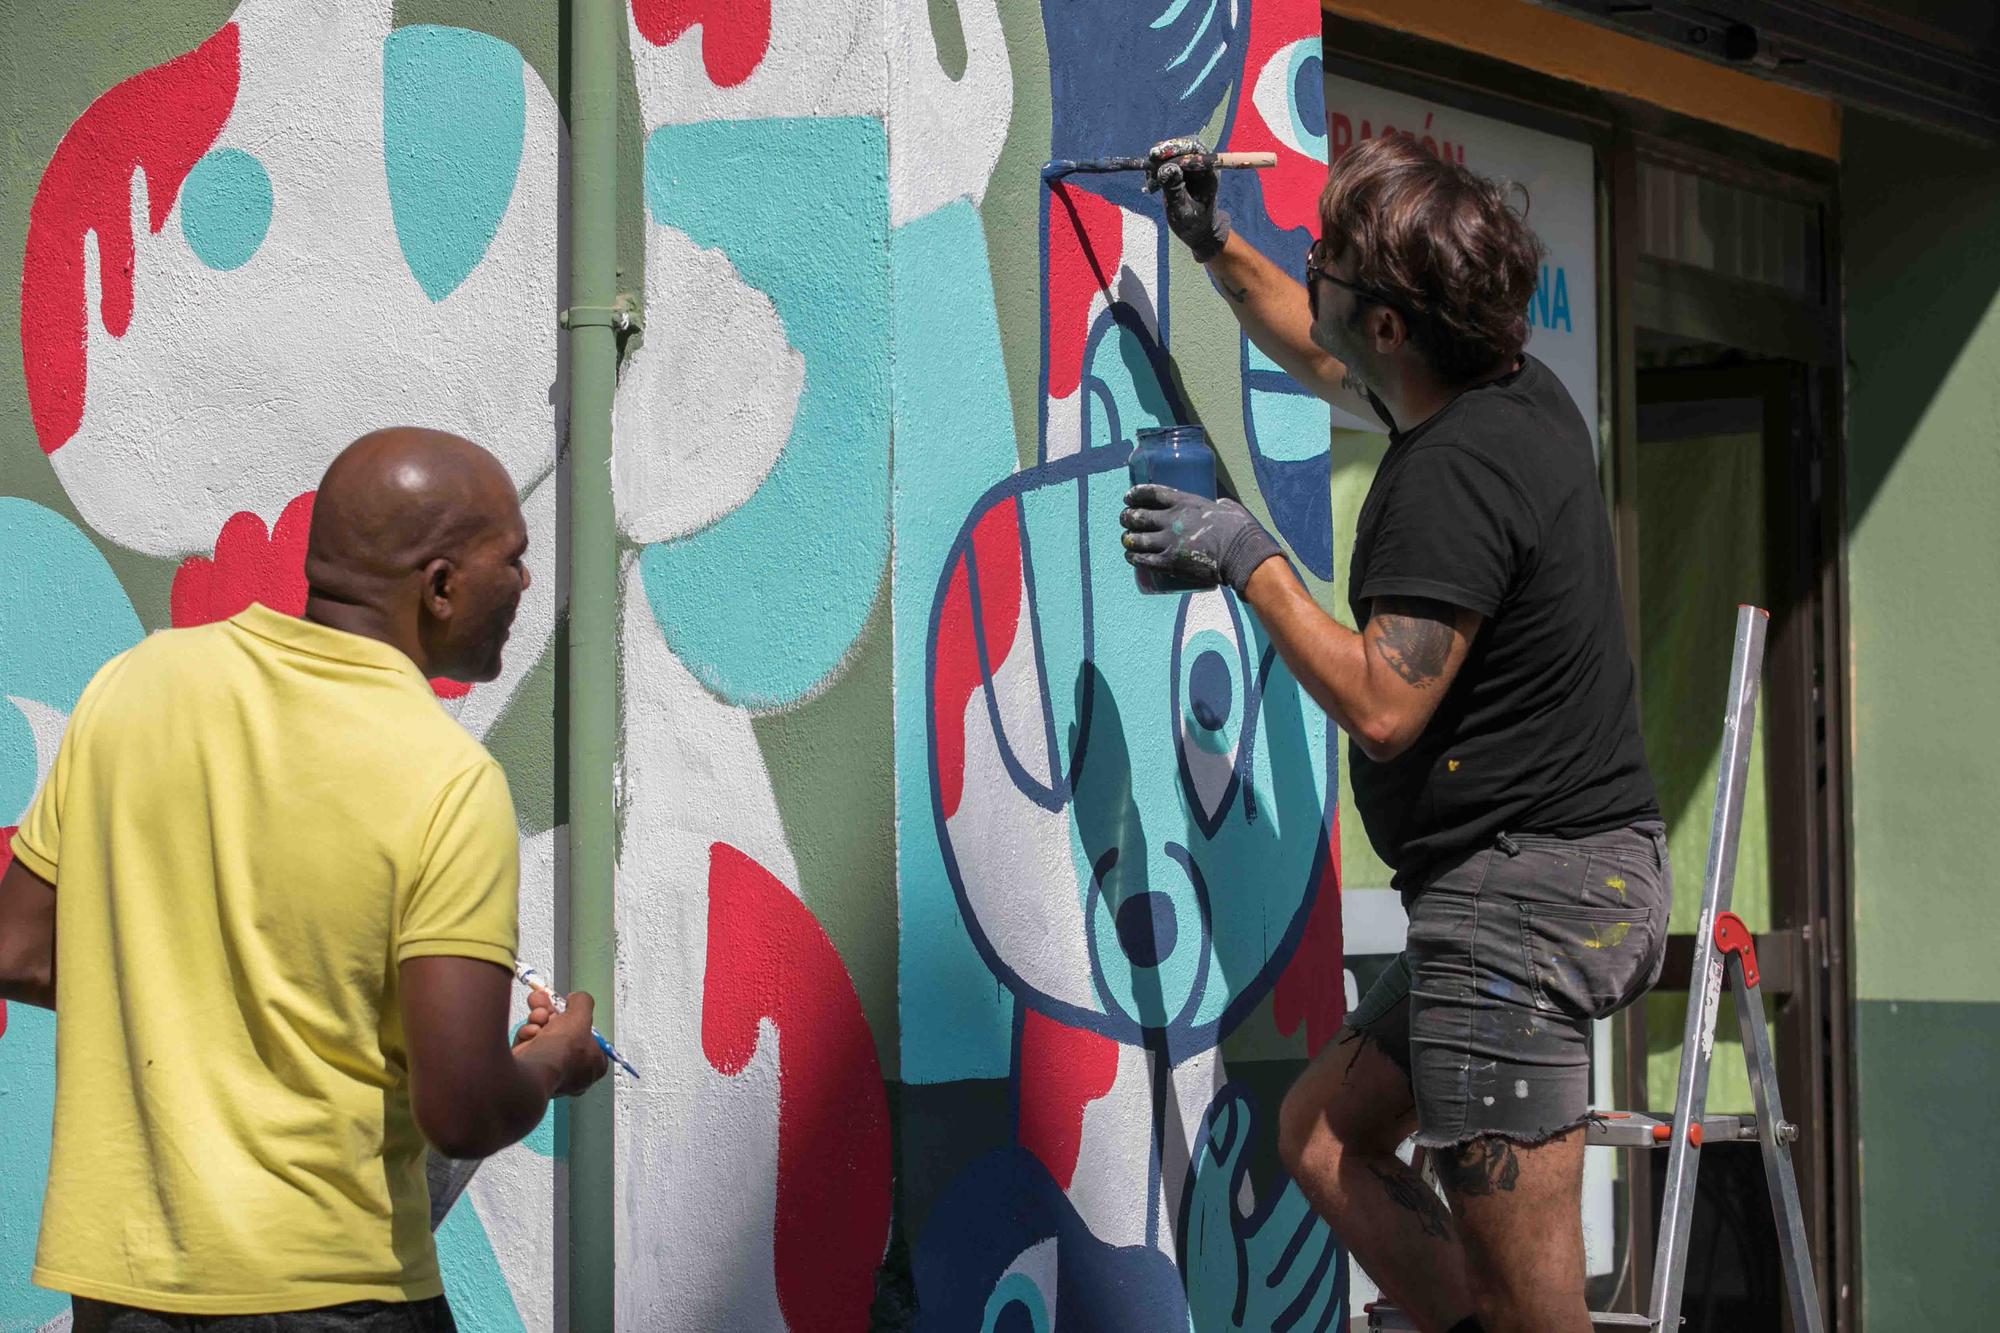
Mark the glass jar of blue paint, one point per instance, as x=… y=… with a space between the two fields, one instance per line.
x=1180 y=457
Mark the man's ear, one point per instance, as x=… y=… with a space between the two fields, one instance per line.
x=440 y=582
x=1389 y=329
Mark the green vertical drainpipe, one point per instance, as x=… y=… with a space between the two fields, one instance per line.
x=595 y=319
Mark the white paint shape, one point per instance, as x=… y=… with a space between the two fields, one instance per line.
x=697 y=1150
x=945 y=134
x=1017 y=694
x=1192 y=1086
x=47 y=725
x=824 y=59
x=231 y=391
x=707 y=402
x=1018 y=869
x=1114 y=1154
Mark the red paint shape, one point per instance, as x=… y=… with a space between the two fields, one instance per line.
x=1313 y=987
x=162 y=121
x=1291 y=189
x=251 y=565
x=769 y=958
x=1063 y=1069
x=1086 y=246
x=735 y=34
x=996 y=549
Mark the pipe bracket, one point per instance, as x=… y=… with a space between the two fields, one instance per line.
x=624 y=314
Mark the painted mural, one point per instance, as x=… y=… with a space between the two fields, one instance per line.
x=973 y=910
x=312 y=223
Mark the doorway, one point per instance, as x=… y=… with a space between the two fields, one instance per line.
x=1728 y=491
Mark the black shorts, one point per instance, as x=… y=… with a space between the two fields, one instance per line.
x=428 y=1316
x=1511 y=954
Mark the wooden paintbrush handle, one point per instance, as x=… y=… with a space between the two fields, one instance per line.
x=1223 y=160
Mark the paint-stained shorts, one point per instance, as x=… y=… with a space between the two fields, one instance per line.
x=1510 y=956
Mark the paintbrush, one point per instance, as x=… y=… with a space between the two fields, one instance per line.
x=1099 y=165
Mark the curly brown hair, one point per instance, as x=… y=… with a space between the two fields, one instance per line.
x=1441 y=244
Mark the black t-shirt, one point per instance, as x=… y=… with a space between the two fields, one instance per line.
x=1493 y=505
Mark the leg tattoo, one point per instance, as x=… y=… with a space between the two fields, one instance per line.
x=1483 y=1166
x=1407 y=1191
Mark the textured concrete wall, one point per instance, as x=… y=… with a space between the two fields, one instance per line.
x=1923 y=329
x=973 y=910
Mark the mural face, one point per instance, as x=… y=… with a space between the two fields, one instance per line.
x=918 y=793
x=1070 y=712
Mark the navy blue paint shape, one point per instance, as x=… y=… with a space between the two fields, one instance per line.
x=997 y=1208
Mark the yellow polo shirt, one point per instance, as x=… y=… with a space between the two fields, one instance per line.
x=249 y=824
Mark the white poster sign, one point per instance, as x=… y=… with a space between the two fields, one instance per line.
x=1559 y=179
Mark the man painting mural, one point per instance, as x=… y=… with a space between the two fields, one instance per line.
x=1494 y=740
x=269 y=890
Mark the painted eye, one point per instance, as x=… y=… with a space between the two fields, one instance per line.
x=1023 y=1300
x=1212 y=696
x=1290 y=94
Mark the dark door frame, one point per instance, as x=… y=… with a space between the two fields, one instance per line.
x=1801 y=764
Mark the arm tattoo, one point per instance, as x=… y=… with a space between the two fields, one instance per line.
x=1406 y=1190
x=1236 y=294
x=1414 y=639
x=1483 y=1166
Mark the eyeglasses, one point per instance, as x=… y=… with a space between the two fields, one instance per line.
x=1317 y=269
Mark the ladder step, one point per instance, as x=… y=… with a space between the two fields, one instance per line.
x=1384 y=1316
x=1645 y=1129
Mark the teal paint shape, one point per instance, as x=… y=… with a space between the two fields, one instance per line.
x=764 y=604
x=541 y=1140
x=1291 y=427
x=226 y=208
x=63 y=614
x=1286 y=1264
x=1122 y=389
x=454 y=116
x=27 y=1108
x=1011 y=1290
x=955 y=437
x=473 y=1282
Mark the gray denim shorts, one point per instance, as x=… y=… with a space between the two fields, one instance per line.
x=1510 y=955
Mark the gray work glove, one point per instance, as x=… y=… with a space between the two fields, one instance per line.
x=1183 y=171
x=1188 y=537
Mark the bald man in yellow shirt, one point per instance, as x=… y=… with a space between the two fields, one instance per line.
x=269 y=889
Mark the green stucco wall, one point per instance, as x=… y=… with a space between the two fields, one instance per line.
x=1921 y=217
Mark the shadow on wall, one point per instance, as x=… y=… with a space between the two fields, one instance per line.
x=1918 y=285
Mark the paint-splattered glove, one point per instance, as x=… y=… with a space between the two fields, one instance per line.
x=1188 y=537
x=1183 y=171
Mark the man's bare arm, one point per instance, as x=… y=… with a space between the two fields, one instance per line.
x=1380 y=686
x=471 y=1094
x=27 y=938
x=1270 y=304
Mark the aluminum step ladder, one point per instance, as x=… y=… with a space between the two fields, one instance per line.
x=1724 y=954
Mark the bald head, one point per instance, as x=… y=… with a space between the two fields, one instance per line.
x=410 y=528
